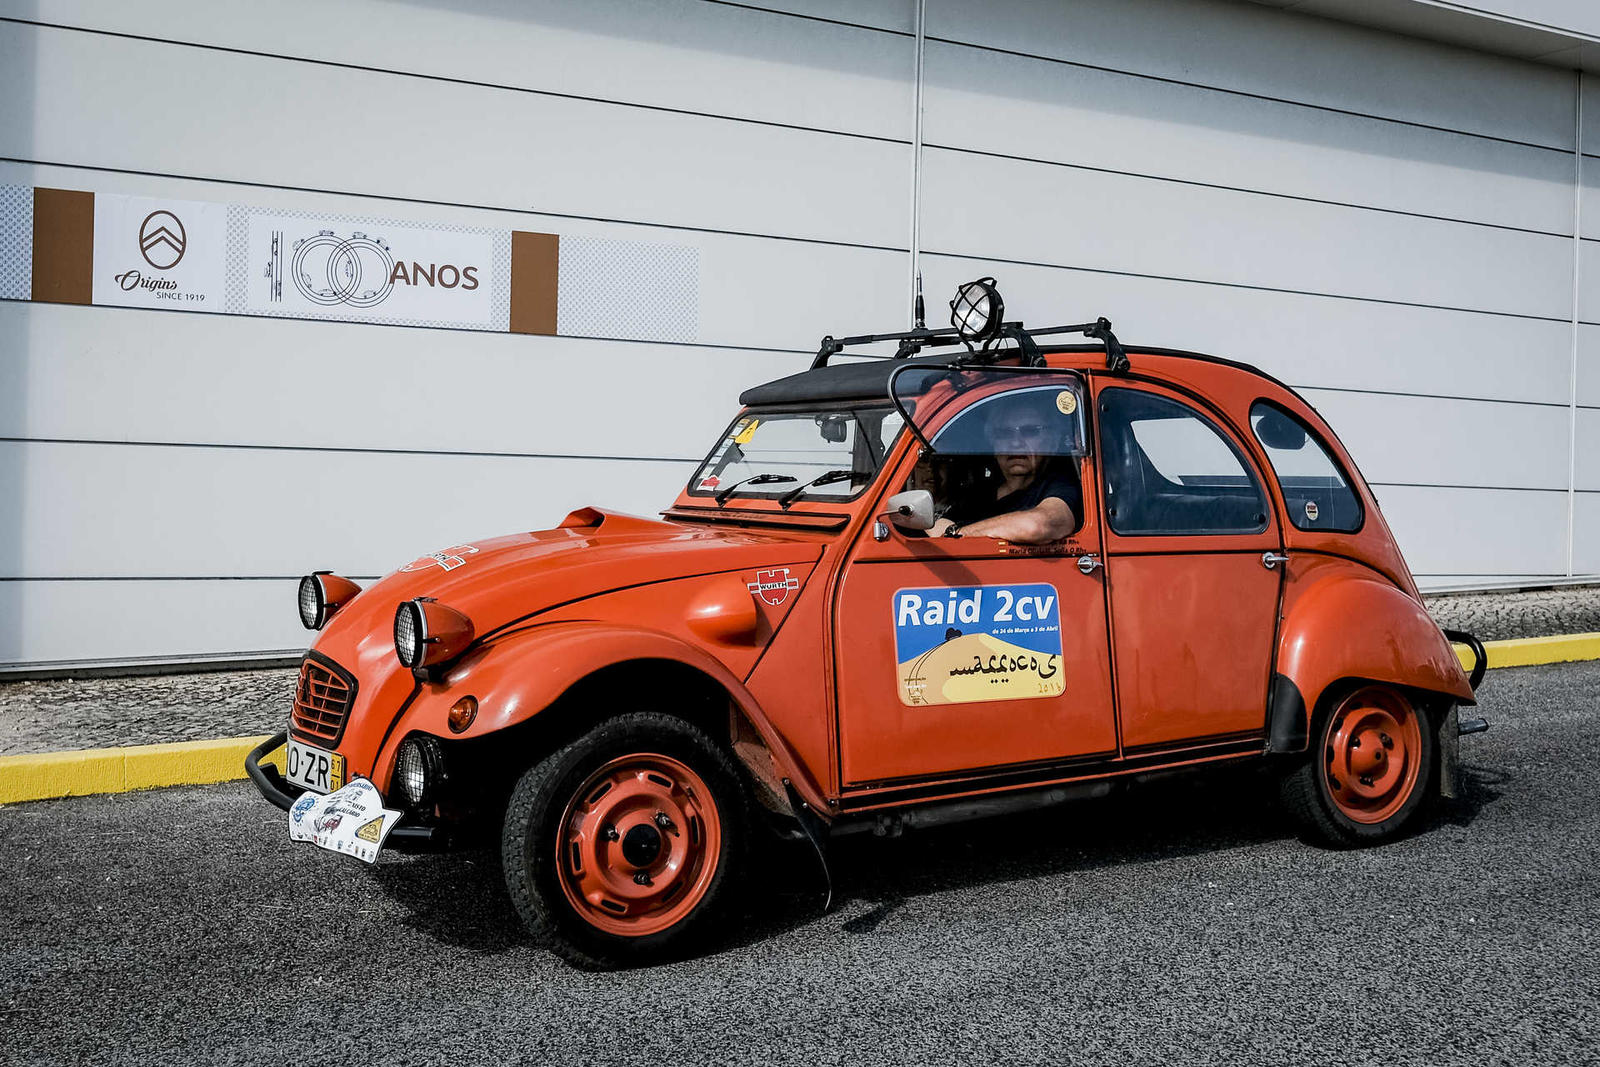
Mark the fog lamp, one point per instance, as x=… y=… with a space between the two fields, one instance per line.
x=977 y=309
x=462 y=712
x=426 y=632
x=418 y=769
x=321 y=594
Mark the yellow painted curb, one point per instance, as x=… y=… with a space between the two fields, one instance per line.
x=48 y=775
x=1527 y=651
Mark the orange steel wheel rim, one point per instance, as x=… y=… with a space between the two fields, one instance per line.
x=1372 y=754
x=638 y=845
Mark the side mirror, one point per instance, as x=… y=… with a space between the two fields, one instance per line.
x=911 y=510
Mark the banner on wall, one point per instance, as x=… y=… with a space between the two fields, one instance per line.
x=159 y=253
x=372 y=270
x=66 y=246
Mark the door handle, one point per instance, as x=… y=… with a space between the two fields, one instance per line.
x=1088 y=562
x=1270 y=560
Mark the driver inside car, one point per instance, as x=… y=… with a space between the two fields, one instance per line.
x=1029 y=493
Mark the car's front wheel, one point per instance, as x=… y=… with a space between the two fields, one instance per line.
x=1371 y=764
x=622 y=847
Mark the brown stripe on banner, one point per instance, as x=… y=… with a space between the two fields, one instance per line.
x=534 y=258
x=63 y=246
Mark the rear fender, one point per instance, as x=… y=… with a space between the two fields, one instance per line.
x=1344 y=626
x=518 y=676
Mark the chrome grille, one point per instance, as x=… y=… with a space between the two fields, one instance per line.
x=322 y=699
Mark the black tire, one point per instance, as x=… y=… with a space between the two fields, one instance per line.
x=1308 y=793
x=532 y=829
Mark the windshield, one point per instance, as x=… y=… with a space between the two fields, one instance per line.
x=1002 y=409
x=823 y=454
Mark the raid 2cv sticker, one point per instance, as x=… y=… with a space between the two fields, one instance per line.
x=984 y=642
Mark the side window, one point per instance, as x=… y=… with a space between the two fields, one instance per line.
x=1316 y=491
x=1169 y=470
x=1006 y=452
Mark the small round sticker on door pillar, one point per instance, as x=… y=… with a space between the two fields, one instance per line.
x=1311 y=511
x=1066 y=402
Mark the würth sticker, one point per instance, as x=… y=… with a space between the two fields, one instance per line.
x=773 y=586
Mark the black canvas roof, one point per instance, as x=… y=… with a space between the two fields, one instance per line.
x=868 y=380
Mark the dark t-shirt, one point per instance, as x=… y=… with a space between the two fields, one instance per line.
x=1063 y=486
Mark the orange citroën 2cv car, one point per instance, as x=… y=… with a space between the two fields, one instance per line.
x=982 y=576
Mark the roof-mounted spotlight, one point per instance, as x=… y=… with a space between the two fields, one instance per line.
x=977 y=310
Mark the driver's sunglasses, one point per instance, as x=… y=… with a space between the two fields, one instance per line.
x=1027 y=431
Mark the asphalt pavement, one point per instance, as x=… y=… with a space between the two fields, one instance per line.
x=1178 y=923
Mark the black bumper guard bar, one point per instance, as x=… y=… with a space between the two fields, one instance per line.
x=272 y=785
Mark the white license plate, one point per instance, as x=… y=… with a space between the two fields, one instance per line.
x=313 y=768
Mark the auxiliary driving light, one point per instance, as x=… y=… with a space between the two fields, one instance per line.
x=418 y=769
x=321 y=594
x=977 y=309
x=426 y=632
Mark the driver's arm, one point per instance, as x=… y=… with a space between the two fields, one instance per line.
x=1049 y=520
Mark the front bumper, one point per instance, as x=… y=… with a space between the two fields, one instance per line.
x=271 y=784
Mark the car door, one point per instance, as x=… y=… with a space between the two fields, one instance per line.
x=1189 y=544
x=954 y=655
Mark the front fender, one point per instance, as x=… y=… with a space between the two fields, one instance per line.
x=517 y=676
x=1347 y=624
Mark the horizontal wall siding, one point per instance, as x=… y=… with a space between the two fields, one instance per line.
x=690 y=55
x=1307 y=340
x=1249 y=49
x=1040 y=213
x=1085 y=116
x=121 y=511
x=267 y=120
x=157 y=620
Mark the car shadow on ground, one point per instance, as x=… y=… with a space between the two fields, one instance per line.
x=460 y=899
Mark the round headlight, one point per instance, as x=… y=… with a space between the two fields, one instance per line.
x=409 y=633
x=321 y=594
x=418 y=767
x=427 y=633
x=977 y=310
x=311 y=602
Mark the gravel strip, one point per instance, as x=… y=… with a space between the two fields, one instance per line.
x=49 y=716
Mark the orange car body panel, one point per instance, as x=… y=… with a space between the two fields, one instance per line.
x=1170 y=649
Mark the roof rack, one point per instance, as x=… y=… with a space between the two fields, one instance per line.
x=913 y=341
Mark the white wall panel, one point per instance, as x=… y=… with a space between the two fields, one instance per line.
x=1018 y=106
x=1490 y=532
x=74 y=621
x=1587 y=468
x=1589 y=274
x=1427 y=441
x=1305 y=340
x=982 y=206
x=132 y=511
x=1589 y=365
x=1591 y=114
x=688 y=54
x=125 y=374
x=270 y=121
x=1280 y=55
x=1586 y=542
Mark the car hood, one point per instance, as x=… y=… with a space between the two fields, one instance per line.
x=505 y=579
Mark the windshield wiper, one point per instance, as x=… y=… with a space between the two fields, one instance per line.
x=825 y=478
x=755 y=479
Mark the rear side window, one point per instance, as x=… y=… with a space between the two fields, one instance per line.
x=1318 y=494
x=1169 y=470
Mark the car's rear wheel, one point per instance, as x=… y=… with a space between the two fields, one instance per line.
x=622 y=847
x=1368 y=774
